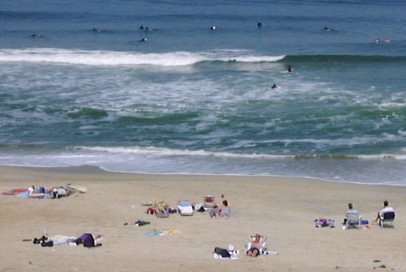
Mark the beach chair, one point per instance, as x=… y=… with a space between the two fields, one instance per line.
x=386 y=219
x=353 y=220
x=185 y=207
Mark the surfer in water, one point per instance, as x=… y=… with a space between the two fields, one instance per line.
x=327 y=29
x=290 y=68
x=274 y=86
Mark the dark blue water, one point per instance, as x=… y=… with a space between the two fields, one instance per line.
x=78 y=86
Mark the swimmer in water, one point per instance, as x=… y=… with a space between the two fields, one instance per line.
x=327 y=29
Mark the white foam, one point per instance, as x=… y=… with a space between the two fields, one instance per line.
x=115 y=58
x=383 y=157
x=202 y=153
x=177 y=152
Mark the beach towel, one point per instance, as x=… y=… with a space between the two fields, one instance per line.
x=15 y=191
x=24 y=194
x=153 y=233
x=162 y=233
x=324 y=222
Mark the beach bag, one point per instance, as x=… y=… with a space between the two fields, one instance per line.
x=222 y=252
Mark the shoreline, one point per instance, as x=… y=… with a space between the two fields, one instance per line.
x=283 y=209
x=92 y=168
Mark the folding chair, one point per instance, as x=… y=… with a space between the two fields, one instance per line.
x=387 y=218
x=353 y=220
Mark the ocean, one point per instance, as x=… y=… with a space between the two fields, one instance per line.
x=148 y=86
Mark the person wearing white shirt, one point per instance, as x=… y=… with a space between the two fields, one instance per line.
x=386 y=208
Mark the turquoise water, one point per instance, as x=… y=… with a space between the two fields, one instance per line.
x=192 y=100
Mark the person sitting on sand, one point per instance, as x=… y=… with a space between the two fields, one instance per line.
x=215 y=211
x=350 y=211
x=386 y=208
x=218 y=212
x=225 y=211
x=256 y=245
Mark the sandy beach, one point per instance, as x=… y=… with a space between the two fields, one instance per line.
x=283 y=209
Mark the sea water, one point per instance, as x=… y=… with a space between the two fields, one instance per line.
x=82 y=84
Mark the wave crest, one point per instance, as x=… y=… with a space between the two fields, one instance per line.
x=115 y=58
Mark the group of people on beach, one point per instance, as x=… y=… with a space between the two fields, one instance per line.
x=352 y=215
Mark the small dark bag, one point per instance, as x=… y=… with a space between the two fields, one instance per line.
x=222 y=252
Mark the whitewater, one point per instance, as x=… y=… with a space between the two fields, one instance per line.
x=192 y=100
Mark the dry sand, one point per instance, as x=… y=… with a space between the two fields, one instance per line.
x=280 y=208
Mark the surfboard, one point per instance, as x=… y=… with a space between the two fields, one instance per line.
x=76 y=187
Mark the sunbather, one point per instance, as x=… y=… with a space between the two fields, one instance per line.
x=89 y=240
x=256 y=245
x=215 y=211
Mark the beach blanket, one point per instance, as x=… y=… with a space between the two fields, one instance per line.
x=162 y=233
x=324 y=222
x=15 y=191
x=24 y=194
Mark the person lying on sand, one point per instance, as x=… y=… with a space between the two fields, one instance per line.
x=86 y=239
x=256 y=244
